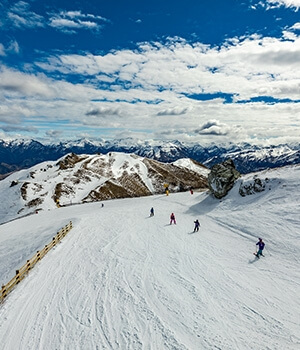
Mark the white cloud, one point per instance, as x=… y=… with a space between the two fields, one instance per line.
x=103 y=112
x=286 y=3
x=244 y=68
x=296 y=26
x=275 y=4
x=16 y=83
x=213 y=127
x=19 y=128
x=289 y=35
x=2 y=50
x=11 y=114
x=68 y=21
x=20 y=16
x=79 y=14
x=13 y=47
x=54 y=134
x=173 y=111
x=12 y=117
x=63 y=22
x=126 y=89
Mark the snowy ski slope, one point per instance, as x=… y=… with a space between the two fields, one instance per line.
x=123 y=280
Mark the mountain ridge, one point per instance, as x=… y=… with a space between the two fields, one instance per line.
x=75 y=179
x=20 y=154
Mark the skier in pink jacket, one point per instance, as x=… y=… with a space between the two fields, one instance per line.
x=172 y=219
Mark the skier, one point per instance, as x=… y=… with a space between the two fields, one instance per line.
x=172 y=219
x=152 y=212
x=261 y=246
x=167 y=191
x=191 y=190
x=197 y=225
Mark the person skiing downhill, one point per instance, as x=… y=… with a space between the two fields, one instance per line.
x=152 y=212
x=172 y=219
x=261 y=246
x=197 y=225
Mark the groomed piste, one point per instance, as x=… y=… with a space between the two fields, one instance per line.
x=124 y=280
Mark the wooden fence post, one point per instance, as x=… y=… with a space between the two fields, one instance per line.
x=3 y=292
x=20 y=274
x=17 y=276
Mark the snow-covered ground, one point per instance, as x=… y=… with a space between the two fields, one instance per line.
x=123 y=280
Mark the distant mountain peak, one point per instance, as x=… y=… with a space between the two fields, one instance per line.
x=75 y=179
x=19 y=154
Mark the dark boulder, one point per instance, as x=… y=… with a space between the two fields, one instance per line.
x=222 y=178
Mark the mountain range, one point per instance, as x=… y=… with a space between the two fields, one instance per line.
x=20 y=154
x=77 y=179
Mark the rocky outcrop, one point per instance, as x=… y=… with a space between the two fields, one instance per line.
x=222 y=178
x=252 y=186
x=69 y=161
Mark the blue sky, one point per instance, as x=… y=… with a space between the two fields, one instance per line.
x=195 y=71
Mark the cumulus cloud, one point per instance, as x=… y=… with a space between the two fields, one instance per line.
x=16 y=82
x=213 y=127
x=103 y=111
x=124 y=89
x=242 y=67
x=173 y=111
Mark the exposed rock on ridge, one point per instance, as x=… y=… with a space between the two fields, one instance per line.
x=222 y=178
x=253 y=186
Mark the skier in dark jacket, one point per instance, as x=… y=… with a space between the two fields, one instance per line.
x=152 y=212
x=261 y=246
x=172 y=219
x=197 y=225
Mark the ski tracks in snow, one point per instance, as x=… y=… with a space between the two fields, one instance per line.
x=122 y=280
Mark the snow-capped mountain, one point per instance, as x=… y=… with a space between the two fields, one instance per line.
x=249 y=158
x=19 y=154
x=86 y=178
